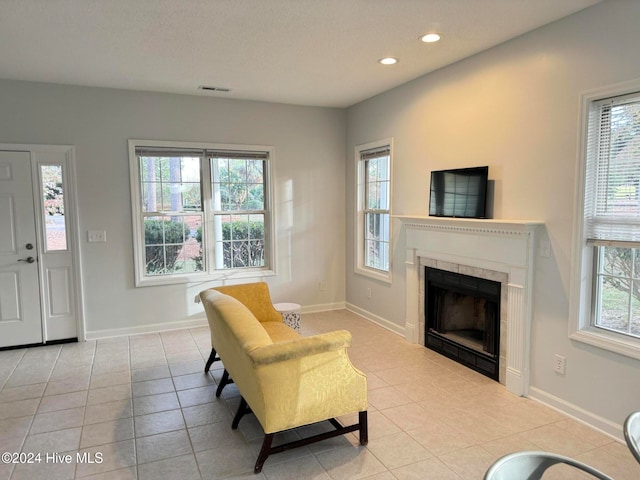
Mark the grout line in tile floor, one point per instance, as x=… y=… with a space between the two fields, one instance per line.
x=144 y=403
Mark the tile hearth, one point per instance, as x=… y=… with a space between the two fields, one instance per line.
x=144 y=403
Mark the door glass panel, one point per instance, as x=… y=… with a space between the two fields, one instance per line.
x=53 y=207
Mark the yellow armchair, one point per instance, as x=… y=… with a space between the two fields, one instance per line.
x=286 y=382
x=256 y=297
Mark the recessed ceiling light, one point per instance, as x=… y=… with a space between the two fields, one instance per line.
x=430 y=37
x=388 y=61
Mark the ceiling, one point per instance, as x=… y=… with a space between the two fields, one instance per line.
x=306 y=52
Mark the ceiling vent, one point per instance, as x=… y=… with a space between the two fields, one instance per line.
x=214 y=89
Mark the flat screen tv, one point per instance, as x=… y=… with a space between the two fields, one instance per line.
x=460 y=192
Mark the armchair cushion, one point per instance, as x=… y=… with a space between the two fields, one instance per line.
x=256 y=297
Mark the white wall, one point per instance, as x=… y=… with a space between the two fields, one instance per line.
x=516 y=109
x=309 y=196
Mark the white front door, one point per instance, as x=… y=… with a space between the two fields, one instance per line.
x=20 y=312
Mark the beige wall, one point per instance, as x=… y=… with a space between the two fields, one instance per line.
x=515 y=108
x=309 y=196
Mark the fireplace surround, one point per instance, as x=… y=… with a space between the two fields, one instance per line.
x=499 y=250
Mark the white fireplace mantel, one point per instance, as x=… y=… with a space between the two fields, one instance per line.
x=506 y=246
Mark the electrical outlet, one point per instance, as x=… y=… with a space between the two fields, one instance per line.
x=545 y=248
x=559 y=364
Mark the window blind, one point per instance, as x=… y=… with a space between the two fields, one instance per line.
x=612 y=191
x=375 y=153
x=167 y=152
x=238 y=154
x=190 y=152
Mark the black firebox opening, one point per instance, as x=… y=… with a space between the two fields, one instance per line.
x=463 y=319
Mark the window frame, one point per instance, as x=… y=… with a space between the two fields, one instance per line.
x=209 y=273
x=583 y=298
x=361 y=190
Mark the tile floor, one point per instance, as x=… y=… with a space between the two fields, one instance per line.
x=141 y=407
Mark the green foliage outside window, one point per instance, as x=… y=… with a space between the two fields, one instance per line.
x=242 y=244
x=620 y=290
x=164 y=240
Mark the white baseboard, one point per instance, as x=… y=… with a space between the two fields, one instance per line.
x=323 y=307
x=195 y=322
x=382 y=322
x=603 y=425
x=151 y=328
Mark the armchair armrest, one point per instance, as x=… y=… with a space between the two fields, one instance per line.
x=301 y=347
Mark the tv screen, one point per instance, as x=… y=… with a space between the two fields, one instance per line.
x=460 y=192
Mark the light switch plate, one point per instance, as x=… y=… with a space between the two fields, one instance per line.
x=97 y=236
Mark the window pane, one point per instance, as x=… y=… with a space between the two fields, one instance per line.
x=53 y=205
x=242 y=241
x=377 y=255
x=170 y=184
x=377 y=183
x=384 y=230
x=615 y=304
x=377 y=241
x=191 y=197
x=373 y=226
x=237 y=171
x=238 y=184
x=618 y=290
x=238 y=196
x=151 y=197
x=191 y=251
x=617 y=261
x=255 y=173
x=172 y=244
x=190 y=169
x=635 y=323
x=255 y=199
x=372 y=170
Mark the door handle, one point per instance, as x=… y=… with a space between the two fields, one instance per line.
x=28 y=259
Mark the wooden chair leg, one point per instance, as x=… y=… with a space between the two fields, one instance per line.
x=212 y=358
x=364 y=428
x=242 y=409
x=223 y=382
x=265 y=451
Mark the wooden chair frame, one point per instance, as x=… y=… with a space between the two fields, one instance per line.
x=225 y=380
x=268 y=449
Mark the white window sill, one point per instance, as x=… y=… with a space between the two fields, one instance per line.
x=205 y=277
x=613 y=342
x=375 y=274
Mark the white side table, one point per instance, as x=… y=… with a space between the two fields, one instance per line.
x=290 y=314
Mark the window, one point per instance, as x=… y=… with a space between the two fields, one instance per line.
x=239 y=210
x=52 y=190
x=200 y=212
x=610 y=250
x=374 y=210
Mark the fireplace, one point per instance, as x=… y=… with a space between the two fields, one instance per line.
x=462 y=317
x=497 y=250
